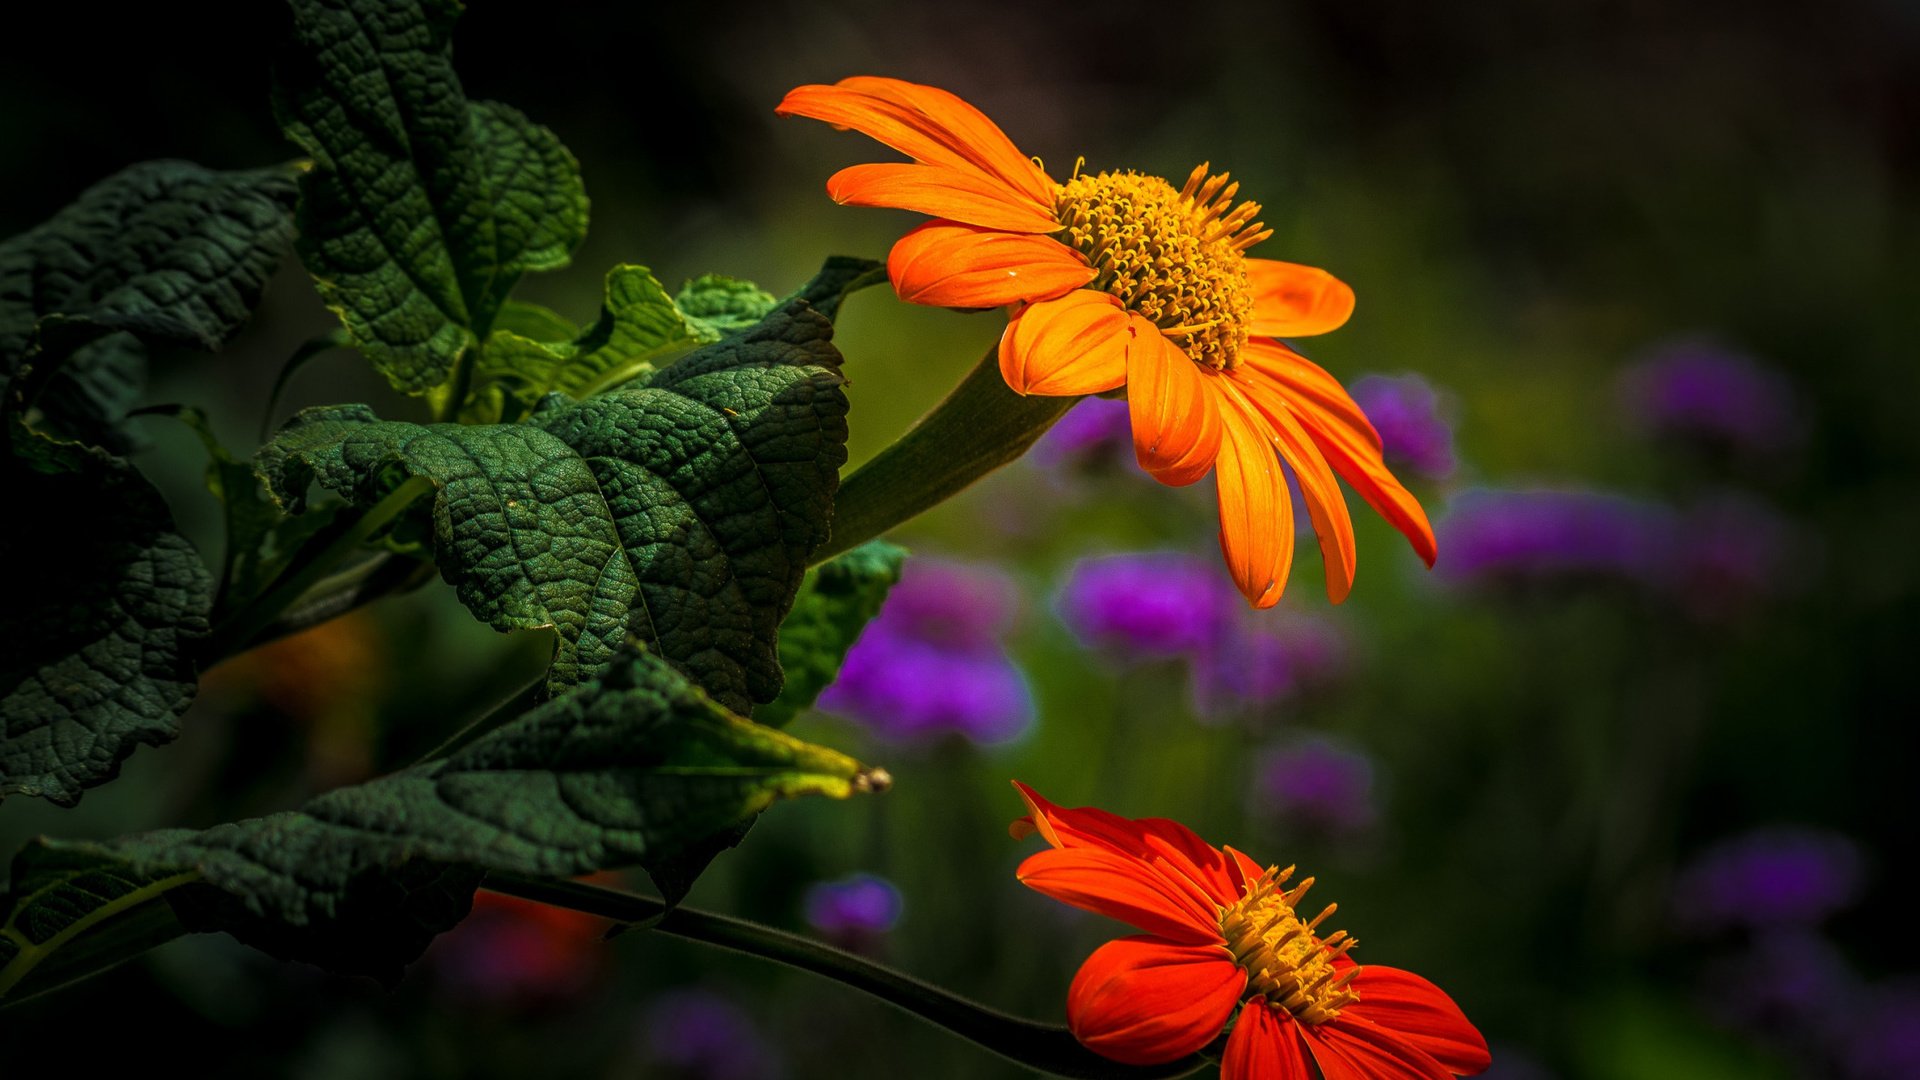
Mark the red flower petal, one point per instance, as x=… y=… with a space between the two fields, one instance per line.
x=1290 y=300
x=1145 y=1000
x=947 y=264
x=1264 y=1047
x=1174 y=408
x=940 y=192
x=1169 y=846
x=1344 y=435
x=925 y=123
x=1367 y=1052
x=1124 y=888
x=1419 y=1013
x=1256 y=510
x=1072 y=345
x=1318 y=487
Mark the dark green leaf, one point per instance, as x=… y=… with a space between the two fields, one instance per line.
x=837 y=601
x=106 y=604
x=681 y=508
x=165 y=251
x=421 y=209
x=638 y=330
x=715 y=305
x=840 y=277
x=632 y=769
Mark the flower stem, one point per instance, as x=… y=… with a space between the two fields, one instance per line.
x=979 y=427
x=1047 y=1048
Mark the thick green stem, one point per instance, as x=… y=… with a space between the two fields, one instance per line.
x=981 y=426
x=247 y=624
x=1047 y=1048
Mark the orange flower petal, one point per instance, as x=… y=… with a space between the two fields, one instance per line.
x=940 y=192
x=1367 y=1052
x=1146 y=1000
x=1419 y=1013
x=1344 y=436
x=1256 y=513
x=946 y=264
x=1122 y=888
x=1074 y=345
x=1264 y=1047
x=1168 y=846
x=925 y=123
x=1318 y=486
x=1290 y=300
x=1174 y=407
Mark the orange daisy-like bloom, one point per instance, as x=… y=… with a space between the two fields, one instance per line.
x=1225 y=936
x=1121 y=280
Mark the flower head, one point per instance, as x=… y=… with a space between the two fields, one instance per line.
x=1122 y=280
x=518 y=953
x=853 y=908
x=1151 y=604
x=1319 y=785
x=1228 y=941
x=699 y=1033
x=1538 y=535
x=932 y=661
x=1781 y=876
x=1406 y=410
x=1701 y=391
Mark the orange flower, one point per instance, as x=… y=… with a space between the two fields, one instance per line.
x=1121 y=280
x=1223 y=935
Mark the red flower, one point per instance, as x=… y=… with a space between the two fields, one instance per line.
x=1223 y=936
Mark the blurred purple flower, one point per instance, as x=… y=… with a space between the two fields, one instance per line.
x=1318 y=785
x=855 y=907
x=1769 y=877
x=1156 y=604
x=1095 y=435
x=697 y=1033
x=1791 y=985
x=1276 y=656
x=932 y=663
x=1734 y=551
x=1883 y=1041
x=1406 y=411
x=1547 y=534
x=1701 y=390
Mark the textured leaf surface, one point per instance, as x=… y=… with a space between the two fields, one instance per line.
x=421 y=209
x=632 y=769
x=106 y=603
x=681 y=508
x=715 y=305
x=164 y=251
x=835 y=604
x=638 y=330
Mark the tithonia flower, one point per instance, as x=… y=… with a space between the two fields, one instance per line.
x=1227 y=941
x=1119 y=280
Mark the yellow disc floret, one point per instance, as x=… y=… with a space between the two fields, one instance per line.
x=1287 y=963
x=1175 y=257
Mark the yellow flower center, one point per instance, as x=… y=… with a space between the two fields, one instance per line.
x=1176 y=257
x=1287 y=963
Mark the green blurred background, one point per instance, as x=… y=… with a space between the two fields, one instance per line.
x=1525 y=197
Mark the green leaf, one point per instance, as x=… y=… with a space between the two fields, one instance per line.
x=164 y=251
x=421 y=209
x=682 y=508
x=535 y=322
x=837 y=601
x=840 y=277
x=715 y=305
x=638 y=330
x=97 y=637
x=633 y=769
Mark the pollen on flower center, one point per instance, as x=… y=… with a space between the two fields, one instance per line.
x=1176 y=257
x=1287 y=963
